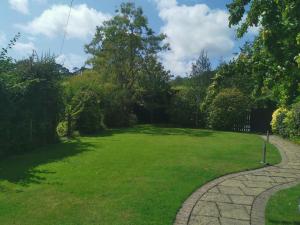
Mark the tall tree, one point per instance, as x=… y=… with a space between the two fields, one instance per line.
x=200 y=79
x=154 y=89
x=119 y=51
x=121 y=44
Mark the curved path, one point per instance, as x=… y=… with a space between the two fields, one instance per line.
x=240 y=198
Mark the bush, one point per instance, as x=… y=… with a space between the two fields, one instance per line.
x=90 y=119
x=61 y=129
x=294 y=120
x=287 y=122
x=278 y=125
x=117 y=107
x=83 y=104
x=30 y=104
x=228 y=108
x=182 y=108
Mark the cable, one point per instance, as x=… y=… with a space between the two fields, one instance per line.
x=65 y=32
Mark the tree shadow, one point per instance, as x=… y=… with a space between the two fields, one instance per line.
x=157 y=130
x=21 y=169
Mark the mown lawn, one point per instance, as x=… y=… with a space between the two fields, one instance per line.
x=282 y=208
x=131 y=176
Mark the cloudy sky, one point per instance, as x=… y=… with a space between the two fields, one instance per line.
x=190 y=25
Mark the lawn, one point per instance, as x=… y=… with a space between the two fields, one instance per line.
x=131 y=176
x=282 y=208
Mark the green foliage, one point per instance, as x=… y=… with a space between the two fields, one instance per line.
x=182 y=108
x=30 y=104
x=124 y=51
x=277 y=46
x=83 y=104
x=277 y=123
x=286 y=122
x=200 y=79
x=229 y=107
x=235 y=74
x=62 y=129
x=293 y=120
x=153 y=92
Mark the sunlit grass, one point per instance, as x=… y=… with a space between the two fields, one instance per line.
x=131 y=176
x=283 y=208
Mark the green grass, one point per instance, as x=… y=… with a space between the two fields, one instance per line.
x=282 y=208
x=131 y=176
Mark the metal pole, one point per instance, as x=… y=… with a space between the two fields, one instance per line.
x=264 y=153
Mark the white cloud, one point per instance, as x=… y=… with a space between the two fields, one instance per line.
x=23 y=49
x=52 y=22
x=189 y=30
x=19 y=5
x=165 y=4
x=71 y=60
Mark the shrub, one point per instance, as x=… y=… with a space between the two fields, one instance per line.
x=182 y=108
x=295 y=121
x=228 y=108
x=90 y=118
x=61 y=129
x=30 y=103
x=292 y=121
x=279 y=121
x=83 y=104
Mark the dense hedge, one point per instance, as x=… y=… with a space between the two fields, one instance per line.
x=30 y=104
x=286 y=121
x=228 y=108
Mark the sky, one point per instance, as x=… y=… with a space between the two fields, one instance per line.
x=190 y=25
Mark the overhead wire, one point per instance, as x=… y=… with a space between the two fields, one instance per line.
x=65 y=30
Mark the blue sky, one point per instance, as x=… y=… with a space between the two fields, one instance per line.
x=191 y=26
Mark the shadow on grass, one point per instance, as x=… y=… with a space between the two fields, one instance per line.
x=22 y=169
x=156 y=130
x=282 y=222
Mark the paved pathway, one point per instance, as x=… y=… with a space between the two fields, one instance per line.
x=240 y=199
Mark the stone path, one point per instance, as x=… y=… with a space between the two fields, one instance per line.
x=240 y=199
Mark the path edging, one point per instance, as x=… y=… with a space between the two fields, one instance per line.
x=184 y=213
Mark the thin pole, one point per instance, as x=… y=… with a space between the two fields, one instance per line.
x=264 y=153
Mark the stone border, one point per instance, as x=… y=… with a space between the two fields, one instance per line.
x=184 y=213
x=260 y=202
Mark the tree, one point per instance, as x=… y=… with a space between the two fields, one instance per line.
x=202 y=65
x=119 y=51
x=200 y=79
x=83 y=104
x=182 y=107
x=153 y=90
x=30 y=103
x=279 y=40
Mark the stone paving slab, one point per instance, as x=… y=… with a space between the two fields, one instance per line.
x=240 y=199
